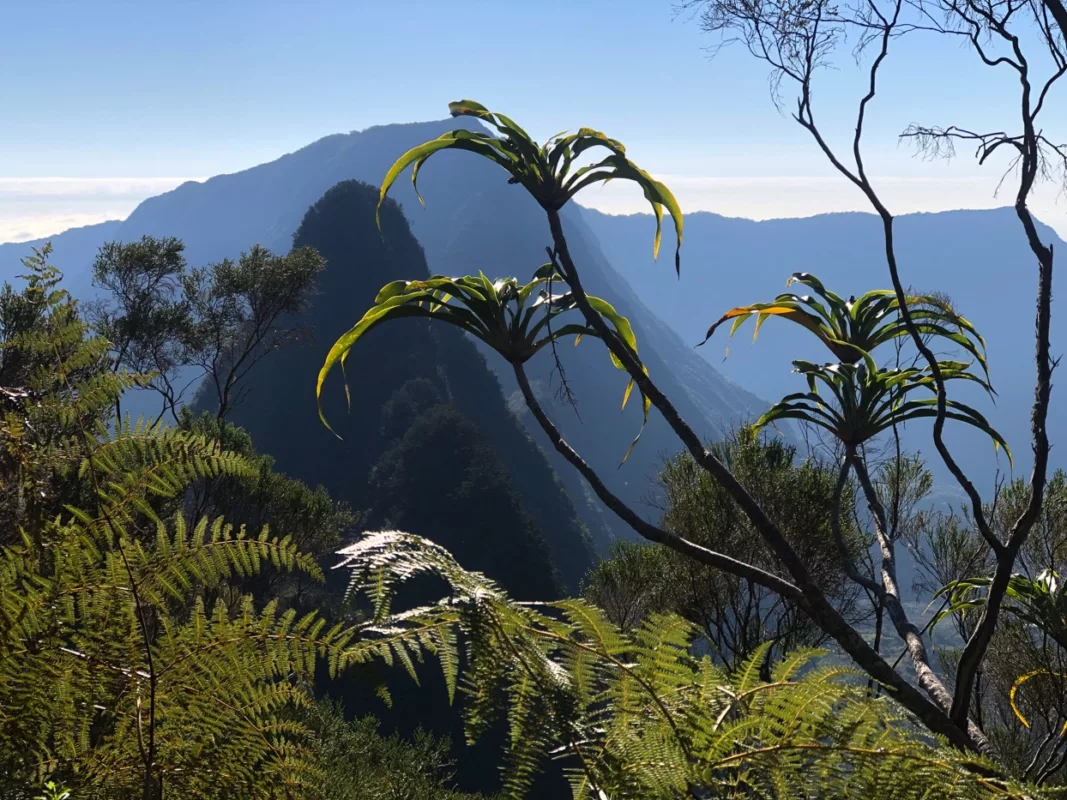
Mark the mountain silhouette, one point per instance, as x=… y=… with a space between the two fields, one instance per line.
x=980 y=259
x=472 y=220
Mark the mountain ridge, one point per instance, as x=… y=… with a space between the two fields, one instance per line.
x=978 y=257
x=225 y=214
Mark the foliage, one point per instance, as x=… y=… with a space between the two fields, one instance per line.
x=131 y=663
x=112 y=668
x=735 y=616
x=265 y=497
x=515 y=320
x=1039 y=602
x=851 y=329
x=867 y=399
x=637 y=715
x=53 y=792
x=143 y=314
x=463 y=500
x=242 y=308
x=865 y=403
x=390 y=360
x=870 y=401
x=358 y=763
x=1022 y=698
x=1026 y=694
x=220 y=320
x=43 y=409
x=543 y=170
x=631 y=585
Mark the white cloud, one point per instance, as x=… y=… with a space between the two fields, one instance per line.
x=38 y=226
x=32 y=208
x=86 y=187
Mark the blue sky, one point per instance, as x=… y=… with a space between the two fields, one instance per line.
x=105 y=103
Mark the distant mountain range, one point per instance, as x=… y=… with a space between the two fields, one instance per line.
x=978 y=258
x=472 y=221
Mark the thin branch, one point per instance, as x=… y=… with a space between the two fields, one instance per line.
x=847 y=561
x=815 y=602
x=645 y=529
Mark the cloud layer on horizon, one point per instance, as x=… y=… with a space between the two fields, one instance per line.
x=33 y=208
x=762 y=198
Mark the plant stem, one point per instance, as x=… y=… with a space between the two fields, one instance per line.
x=641 y=527
x=815 y=602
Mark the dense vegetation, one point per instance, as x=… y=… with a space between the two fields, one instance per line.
x=167 y=627
x=852 y=402
x=153 y=638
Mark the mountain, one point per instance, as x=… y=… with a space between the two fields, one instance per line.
x=472 y=220
x=412 y=449
x=74 y=249
x=978 y=258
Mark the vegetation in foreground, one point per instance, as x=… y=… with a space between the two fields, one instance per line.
x=162 y=636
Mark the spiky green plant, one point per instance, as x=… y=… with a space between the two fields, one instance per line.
x=852 y=329
x=642 y=715
x=859 y=403
x=1040 y=602
x=543 y=172
x=514 y=319
x=868 y=400
x=52 y=791
x=547 y=171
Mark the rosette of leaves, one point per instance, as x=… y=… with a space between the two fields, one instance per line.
x=852 y=329
x=1039 y=602
x=548 y=171
x=857 y=403
x=516 y=320
x=860 y=400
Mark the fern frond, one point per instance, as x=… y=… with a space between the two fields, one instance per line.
x=637 y=715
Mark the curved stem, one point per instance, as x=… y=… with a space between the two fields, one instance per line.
x=643 y=528
x=835 y=527
x=976 y=647
x=1030 y=157
x=815 y=603
x=906 y=629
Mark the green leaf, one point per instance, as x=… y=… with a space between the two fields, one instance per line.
x=458 y=139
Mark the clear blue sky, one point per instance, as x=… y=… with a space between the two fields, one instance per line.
x=165 y=90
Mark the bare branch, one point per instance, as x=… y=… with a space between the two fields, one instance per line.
x=629 y=516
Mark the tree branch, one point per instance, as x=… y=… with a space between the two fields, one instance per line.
x=645 y=529
x=816 y=604
x=835 y=527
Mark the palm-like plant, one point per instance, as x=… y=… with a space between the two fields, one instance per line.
x=544 y=170
x=1040 y=602
x=514 y=319
x=550 y=174
x=852 y=328
x=868 y=402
